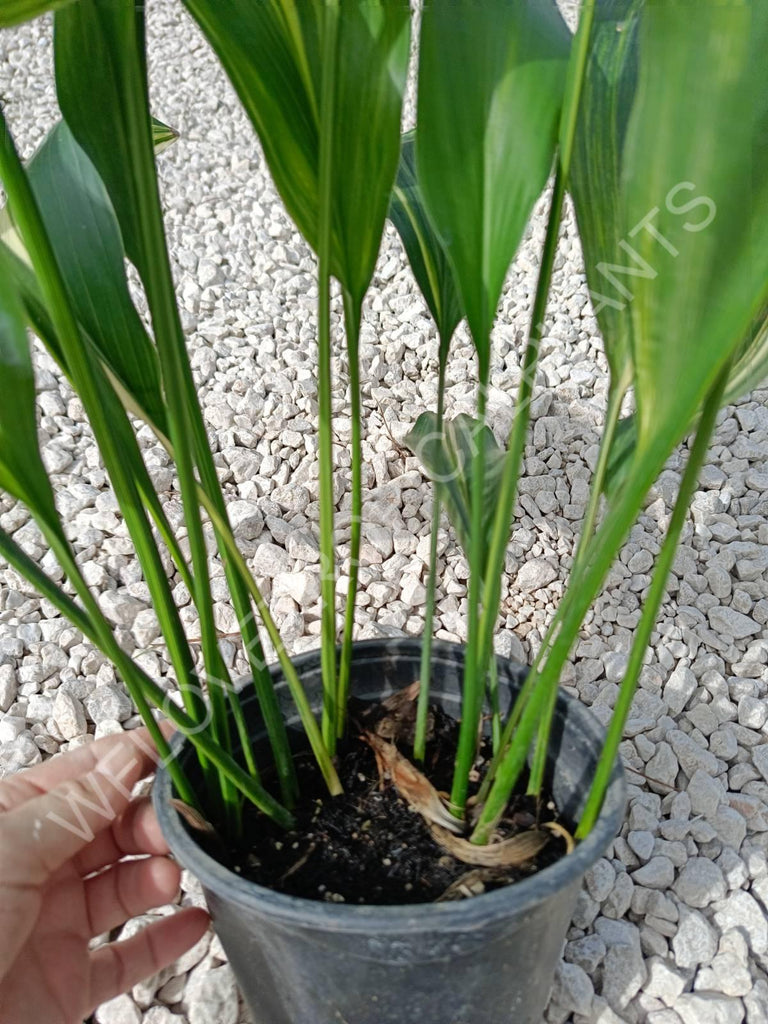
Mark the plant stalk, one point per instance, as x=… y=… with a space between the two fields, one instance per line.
x=613 y=410
x=352 y=318
x=474 y=683
x=331 y=713
x=425 y=671
x=651 y=605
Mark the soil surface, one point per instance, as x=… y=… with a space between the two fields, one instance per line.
x=367 y=846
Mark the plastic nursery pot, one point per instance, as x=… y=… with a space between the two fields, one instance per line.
x=485 y=960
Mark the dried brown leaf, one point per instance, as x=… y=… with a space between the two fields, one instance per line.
x=412 y=785
x=508 y=853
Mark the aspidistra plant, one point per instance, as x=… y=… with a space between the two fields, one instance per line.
x=655 y=124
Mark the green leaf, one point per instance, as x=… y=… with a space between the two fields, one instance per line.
x=424 y=249
x=22 y=473
x=448 y=459
x=750 y=363
x=109 y=32
x=163 y=135
x=491 y=82
x=272 y=54
x=596 y=166
x=13 y=12
x=695 y=194
x=80 y=222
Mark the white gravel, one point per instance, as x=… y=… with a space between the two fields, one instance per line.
x=671 y=927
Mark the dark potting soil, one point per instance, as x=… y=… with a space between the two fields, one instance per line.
x=367 y=846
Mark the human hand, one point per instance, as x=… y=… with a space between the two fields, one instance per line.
x=65 y=827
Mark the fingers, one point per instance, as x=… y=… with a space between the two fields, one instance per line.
x=136 y=831
x=43 y=777
x=44 y=833
x=129 y=889
x=119 y=966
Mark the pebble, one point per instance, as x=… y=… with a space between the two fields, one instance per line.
x=211 y=996
x=709 y=1008
x=658 y=873
x=695 y=941
x=121 y=1010
x=69 y=715
x=8 y=686
x=741 y=910
x=108 y=702
x=700 y=883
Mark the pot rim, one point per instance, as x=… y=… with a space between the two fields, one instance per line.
x=462 y=915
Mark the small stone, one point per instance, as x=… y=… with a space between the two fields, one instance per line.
x=211 y=996
x=760 y=759
x=69 y=715
x=108 y=701
x=700 y=883
x=121 y=1010
x=303 y=587
x=620 y=897
x=695 y=941
x=11 y=727
x=587 y=953
x=8 y=686
x=726 y=974
x=664 y=981
x=302 y=545
x=120 y=608
x=600 y=879
x=691 y=756
x=21 y=752
x=658 y=873
x=270 y=560
x=573 y=989
x=753 y=712
x=534 y=574
x=412 y=591
x=623 y=973
x=706 y=794
x=727 y=622
x=730 y=826
x=641 y=843
x=709 y=1008
x=663 y=766
x=679 y=688
x=246 y=519
x=146 y=628
x=209 y=273
x=740 y=910
x=39 y=708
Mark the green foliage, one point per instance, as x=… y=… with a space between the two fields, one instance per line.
x=13 y=12
x=22 y=472
x=657 y=123
x=491 y=79
x=81 y=224
x=273 y=52
x=448 y=457
x=425 y=252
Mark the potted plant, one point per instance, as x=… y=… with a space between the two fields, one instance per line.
x=476 y=773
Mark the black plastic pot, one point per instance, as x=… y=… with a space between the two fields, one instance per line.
x=486 y=960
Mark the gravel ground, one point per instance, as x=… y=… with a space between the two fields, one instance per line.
x=671 y=927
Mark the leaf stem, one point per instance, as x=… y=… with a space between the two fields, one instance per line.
x=331 y=713
x=651 y=605
x=352 y=317
x=473 y=690
x=425 y=672
x=613 y=411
